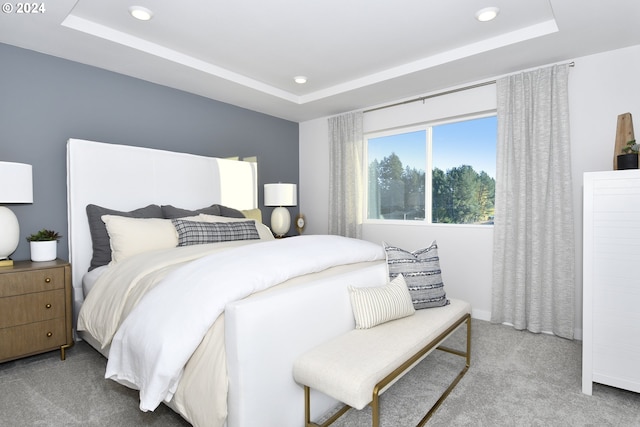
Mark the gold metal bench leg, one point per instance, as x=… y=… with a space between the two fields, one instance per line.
x=455 y=382
x=375 y=410
x=307 y=411
x=420 y=354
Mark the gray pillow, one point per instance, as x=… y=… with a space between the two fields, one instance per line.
x=171 y=212
x=100 y=237
x=199 y=233
x=421 y=272
x=230 y=212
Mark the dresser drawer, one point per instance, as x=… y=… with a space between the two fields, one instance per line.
x=32 y=338
x=29 y=308
x=31 y=281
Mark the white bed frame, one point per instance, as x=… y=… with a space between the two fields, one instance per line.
x=263 y=334
x=124 y=178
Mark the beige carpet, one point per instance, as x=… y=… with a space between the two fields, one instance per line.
x=516 y=379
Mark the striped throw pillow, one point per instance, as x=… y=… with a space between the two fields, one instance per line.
x=421 y=271
x=375 y=305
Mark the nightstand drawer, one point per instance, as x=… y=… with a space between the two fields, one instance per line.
x=31 y=281
x=29 y=308
x=32 y=338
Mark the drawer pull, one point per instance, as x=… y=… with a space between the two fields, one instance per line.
x=48 y=306
x=47 y=280
x=49 y=334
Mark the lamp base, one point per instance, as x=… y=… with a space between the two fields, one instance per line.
x=9 y=232
x=280 y=221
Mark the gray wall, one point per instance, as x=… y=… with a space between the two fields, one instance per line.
x=44 y=101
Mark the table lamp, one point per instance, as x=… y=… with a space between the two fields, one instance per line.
x=280 y=195
x=16 y=187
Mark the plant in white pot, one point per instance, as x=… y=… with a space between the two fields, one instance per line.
x=44 y=245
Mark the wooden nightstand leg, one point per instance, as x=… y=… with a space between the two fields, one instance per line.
x=63 y=348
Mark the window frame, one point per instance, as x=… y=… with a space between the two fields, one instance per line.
x=428 y=128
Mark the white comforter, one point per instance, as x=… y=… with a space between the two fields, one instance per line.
x=152 y=346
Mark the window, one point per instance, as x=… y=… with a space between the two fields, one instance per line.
x=460 y=186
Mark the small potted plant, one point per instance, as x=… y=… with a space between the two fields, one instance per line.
x=629 y=157
x=43 y=245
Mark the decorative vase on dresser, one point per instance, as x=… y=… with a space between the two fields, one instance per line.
x=611 y=282
x=35 y=308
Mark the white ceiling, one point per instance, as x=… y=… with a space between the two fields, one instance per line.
x=355 y=53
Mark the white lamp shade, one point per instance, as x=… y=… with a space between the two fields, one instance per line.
x=17 y=183
x=280 y=194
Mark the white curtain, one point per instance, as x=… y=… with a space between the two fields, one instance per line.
x=346 y=148
x=533 y=271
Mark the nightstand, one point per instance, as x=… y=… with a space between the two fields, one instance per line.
x=35 y=308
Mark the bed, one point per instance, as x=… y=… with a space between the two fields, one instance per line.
x=223 y=360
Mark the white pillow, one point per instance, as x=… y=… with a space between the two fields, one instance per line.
x=263 y=231
x=376 y=305
x=132 y=236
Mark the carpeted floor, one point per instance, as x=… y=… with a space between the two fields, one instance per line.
x=516 y=379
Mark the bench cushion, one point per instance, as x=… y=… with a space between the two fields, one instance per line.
x=349 y=366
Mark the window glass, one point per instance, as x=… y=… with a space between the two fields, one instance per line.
x=463 y=171
x=396 y=176
x=460 y=185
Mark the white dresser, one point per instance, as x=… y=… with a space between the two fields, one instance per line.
x=611 y=280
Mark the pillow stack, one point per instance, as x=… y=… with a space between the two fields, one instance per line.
x=98 y=229
x=415 y=283
x=117 y=235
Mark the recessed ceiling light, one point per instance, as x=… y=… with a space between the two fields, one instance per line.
x=300 y=79
x=141 y=13
x=487 y=14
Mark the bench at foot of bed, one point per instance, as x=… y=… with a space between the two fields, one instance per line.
x=357 y=367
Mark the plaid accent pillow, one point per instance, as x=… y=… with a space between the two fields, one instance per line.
x=421 y=271
x=198 y=233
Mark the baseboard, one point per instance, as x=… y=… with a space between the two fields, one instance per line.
x=577 y=334
x=486 y=315
x=481 y=314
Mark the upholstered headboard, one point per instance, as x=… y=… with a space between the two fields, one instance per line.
x=124 y=178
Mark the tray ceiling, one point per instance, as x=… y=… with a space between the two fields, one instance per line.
x=355 y=53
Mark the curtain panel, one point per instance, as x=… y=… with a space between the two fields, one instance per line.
x=533 y=270
x=346 y=150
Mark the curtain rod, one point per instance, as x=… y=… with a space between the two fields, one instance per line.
x=435 y=95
